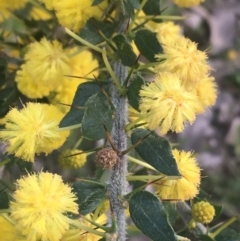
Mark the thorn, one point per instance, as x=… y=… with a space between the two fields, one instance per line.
x=110 y=139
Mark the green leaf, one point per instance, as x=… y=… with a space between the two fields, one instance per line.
x=75 y=115
x=148 y=214
x=135 y=4
x=96 y=113
x=218 y=211
x=147 y=44
x=90 y=32
x=171 y=211
x=89 y=193
x=96 y=2
x=205 y=238
x=228 y=235
x=125 y=50
x=152 y=7
x=128 y=7
x=133 y=91
x=156 y=151
x=4 y=200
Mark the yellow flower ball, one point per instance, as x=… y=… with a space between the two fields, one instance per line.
x=9 y=231
x=206 y=92
x=203 y=212
x=188 y=186
x=47 y=63
x=167 y=32
x=73 y=14
x=40 y=204
x=32 y=88
x=72 y=158
x=83 y=65
x=33 y=130
x=166 y=103
x=187 y=3
x=184 y=59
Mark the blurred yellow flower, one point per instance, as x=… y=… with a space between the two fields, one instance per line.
x=167 y=32
x=206 y=91
x=187 y=3
x=9 y=231
x=188 y=186
x=40 y=204
x=33 y=130
x=47 y=62
x=73 y=14
x=166 y=103
x=39 y=14
x=32 y=88
x=184 y=59
x=72 y=159
x=83 y=65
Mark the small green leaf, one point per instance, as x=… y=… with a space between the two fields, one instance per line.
x=156 y=151
x=89 y=193
x=135 y=4
x=228 y=235
x=96 y=113
x=205 y=238
x=148 y=214
x=125 y=50
x=128 y=7
x=133 y=91
x=75 y=115
x=90 y=31
x=152 y=7
x=171 y=211
x=96 y=2
x=147 y=44
x=4 y=200
x=218 y=211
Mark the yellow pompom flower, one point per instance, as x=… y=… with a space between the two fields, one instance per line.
x=72 y=159
x=83 y=65
x=33 y=130
x=188 y=186
x=187 y=3
x=167 y=32
x=166 y=103
x=32 y=88
x=183 y=58
x=203 y=212
x=9 y=231
x=73 y=14
x=47 y=62
x=206 y=91
x=40 y=204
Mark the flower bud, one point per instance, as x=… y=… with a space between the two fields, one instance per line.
x=203 y=212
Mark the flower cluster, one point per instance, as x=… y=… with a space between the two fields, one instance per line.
x=44 y=72
x=74 y=14
x=33 y=130
x=182 y=87
x=40 y=204
x=188 y=186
